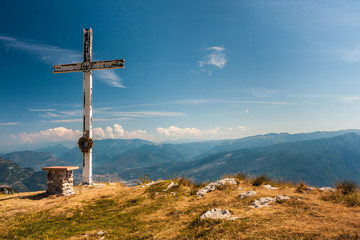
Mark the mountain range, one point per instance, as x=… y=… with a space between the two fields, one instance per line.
x=318 y=158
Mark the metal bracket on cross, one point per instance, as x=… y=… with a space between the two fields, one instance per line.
x=86 y=67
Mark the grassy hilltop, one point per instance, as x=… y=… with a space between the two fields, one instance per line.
x=113 y=211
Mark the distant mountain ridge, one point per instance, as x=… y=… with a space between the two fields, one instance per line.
x=317 y=158
x=317 y=162
x=35 y=160
x=57 y=150
x=273 y=138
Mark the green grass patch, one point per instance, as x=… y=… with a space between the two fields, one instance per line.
x=213 y=228
x=120 y=220
x=350 y=200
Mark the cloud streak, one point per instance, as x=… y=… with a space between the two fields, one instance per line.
x=204 y=101
x=64 y=134
x=55 y=55
x=9 y=124
x=47 y=53
x=110 y=78
x=217 y=57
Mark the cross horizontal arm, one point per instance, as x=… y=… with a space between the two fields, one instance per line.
x=64 y=68
x=99 y=65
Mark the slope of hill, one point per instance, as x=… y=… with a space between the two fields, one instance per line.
x=112 y=211
x=317 y=162
x=21 y=179
x=35 y=160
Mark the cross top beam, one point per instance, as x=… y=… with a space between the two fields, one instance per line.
x=86 y=67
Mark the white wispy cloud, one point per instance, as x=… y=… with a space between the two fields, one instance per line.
x=212 y=131
x=351 y=55
x=110 y=78
x=42 y=110
x=47 y=53
x=143 y=114
x=217 y=57
x=9 y=124
x=64 y=134
x=64 y=120
x=242 y=128
x=49 y=135
x=348 y=99
x=204 y=101
x=178 y=132
x=56 y=55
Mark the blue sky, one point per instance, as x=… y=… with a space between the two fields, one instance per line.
x=194 y=69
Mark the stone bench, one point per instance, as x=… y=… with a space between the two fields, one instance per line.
x=60 y=180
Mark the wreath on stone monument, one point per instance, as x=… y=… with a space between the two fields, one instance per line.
x=85 y=144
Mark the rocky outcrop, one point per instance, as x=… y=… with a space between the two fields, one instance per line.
x=269 y=187
x=212 y=186
x=247 y=194
x=327 y=189
x=266 y=201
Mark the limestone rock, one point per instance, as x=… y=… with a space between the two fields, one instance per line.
x=266 y=201
x=172 y=184
x=216 y=213
x=269 y=187
x=212 y=186
x=327 y=189
x=247 y=194
x=152 y=183
x=262 y=202
x=281 y=197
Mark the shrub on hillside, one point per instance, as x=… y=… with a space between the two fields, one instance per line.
x=301 y=187
x=346 y=194
x=346 y=187
x=260 y=180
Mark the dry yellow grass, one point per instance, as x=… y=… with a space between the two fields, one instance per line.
x=166 y=216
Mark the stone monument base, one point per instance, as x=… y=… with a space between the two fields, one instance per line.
x=60 y=180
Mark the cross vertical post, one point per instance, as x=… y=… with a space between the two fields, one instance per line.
x=87 y=104
x=86 y=143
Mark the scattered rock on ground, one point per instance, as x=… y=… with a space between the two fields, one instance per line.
x=216 y=213
x=269 y=187
x=281 y=197
x=239 y=188
x=212 y=186
x=152 y=183
x=327 y=189
x=266 y=201
x=247 y=194
x=172 y=184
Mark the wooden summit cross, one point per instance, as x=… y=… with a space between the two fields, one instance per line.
x=85 y=143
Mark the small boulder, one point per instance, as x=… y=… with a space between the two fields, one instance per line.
x=247 y=194
x=212 y=186
x=172 y=184
x=269 y=187
x=327 y=189
x=266 y=201
x=216 y=213
x=282 y=198
x=152 y=183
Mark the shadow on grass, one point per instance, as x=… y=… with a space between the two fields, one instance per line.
x=38 y=196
